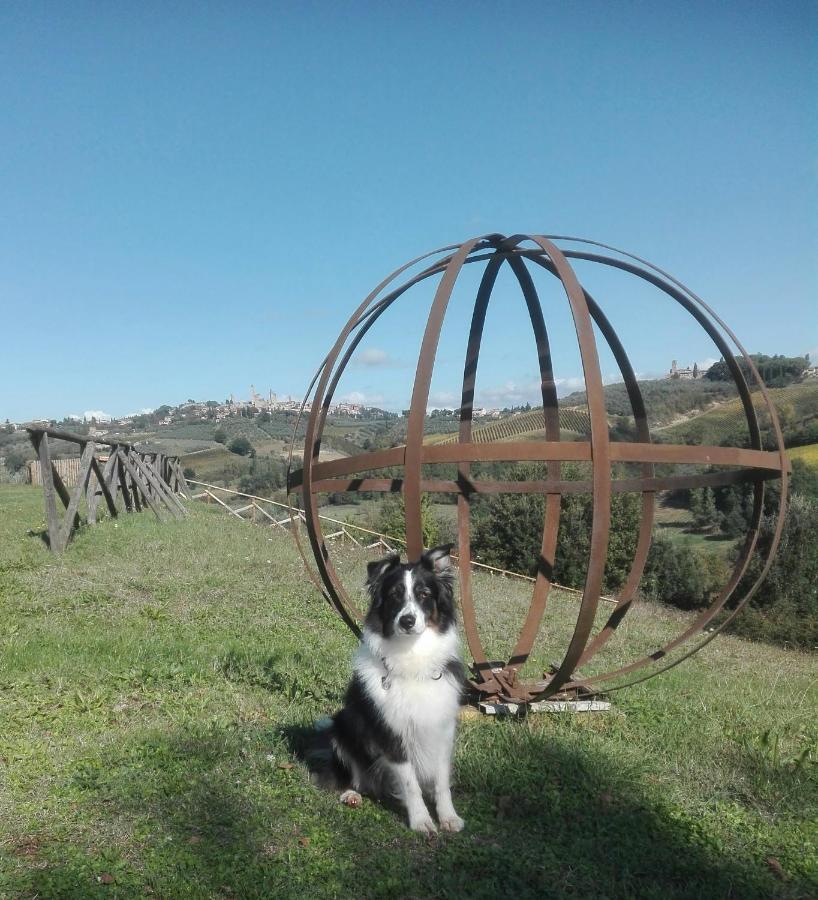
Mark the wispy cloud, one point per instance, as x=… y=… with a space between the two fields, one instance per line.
x=443 y=400
x=363 y=399
x=373 y=358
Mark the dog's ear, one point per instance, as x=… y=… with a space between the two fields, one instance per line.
x=376 y=570
x=438 y=559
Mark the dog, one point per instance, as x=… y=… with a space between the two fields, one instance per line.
x=395 y=733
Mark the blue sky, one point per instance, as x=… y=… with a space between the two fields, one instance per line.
x=196 y=196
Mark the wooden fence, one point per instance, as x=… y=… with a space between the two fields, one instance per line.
x=119 y=474
x=68 y=469
x=365 y=538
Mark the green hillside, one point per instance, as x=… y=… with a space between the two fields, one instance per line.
x=665 y=399
x=797 y=407
x=158 y=682
x=573 y=423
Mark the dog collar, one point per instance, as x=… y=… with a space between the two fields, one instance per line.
x=386 y=680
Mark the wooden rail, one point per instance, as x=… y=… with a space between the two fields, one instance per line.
x=123 y=473
x=383 y=542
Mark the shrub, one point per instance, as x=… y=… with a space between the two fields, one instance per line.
x=683 y=576
x=508 y=532
x=785 y=608
x=391 y=520
x=265 y=477
x=220 y=436
x=241 y=446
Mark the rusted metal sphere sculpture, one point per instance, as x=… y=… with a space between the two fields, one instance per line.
x=753 y=464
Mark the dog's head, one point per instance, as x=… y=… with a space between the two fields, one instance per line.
x=411 y=597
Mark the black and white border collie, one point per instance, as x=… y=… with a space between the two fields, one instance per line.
x=395 y=734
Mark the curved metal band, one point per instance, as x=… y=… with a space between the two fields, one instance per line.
x=420 y=396
x=333 y=593
x=316 y=477
x=481 y=664
x=707 y=615
x=600 y=463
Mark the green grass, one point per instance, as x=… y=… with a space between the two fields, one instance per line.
x=808 y=454
x=678 y=524
x=157 y=681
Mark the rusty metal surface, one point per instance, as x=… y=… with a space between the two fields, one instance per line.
x=753 y=465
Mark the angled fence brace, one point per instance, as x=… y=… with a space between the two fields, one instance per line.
x=140 y=479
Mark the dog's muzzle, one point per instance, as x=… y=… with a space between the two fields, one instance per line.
x=410 y=621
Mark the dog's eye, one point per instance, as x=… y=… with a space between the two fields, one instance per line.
x=424 y=594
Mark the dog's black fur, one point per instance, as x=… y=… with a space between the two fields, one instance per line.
x=409 y=641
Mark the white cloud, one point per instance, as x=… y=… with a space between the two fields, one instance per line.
x=704 y=364
x=372 y=358
x=510 y=393
x=443 y=400
x=363 y=399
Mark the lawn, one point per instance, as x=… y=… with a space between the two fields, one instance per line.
x=157 y=684
x=808 y=454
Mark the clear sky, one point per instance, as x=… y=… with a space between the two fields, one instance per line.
x=194 y=197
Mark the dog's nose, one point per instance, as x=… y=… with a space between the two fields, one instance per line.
x=406 y=622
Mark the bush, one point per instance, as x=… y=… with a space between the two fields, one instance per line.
x=682 y=576
x=265 y=477
x=508 y=531
x=392 y=519
x=241 y=446
x=220 y=436
x=785 y=608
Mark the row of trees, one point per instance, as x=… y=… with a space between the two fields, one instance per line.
x=507 y=530
x=776 y=371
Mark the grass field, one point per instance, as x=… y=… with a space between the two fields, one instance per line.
x=157 y=683
x=808 y=454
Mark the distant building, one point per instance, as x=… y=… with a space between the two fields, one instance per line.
x=348 y=409
x=686 y=374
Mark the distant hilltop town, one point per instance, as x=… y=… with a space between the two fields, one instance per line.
x=193 y=410
x=686 y=374
x=257 y=403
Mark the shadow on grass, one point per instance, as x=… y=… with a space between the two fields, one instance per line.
x=221 y=811
x=41 y=534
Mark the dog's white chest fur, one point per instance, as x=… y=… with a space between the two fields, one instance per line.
x=407 y=680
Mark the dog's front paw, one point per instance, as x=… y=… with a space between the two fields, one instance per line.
x=351 y=798
x=452 y=823
x=423 y=825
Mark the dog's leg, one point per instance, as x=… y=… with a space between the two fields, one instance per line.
x=446 y=814
x=410 y=794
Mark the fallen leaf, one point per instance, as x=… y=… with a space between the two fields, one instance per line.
x=286 y=765
x=195 y=839
x=776 y=868
x=504 y=806
x=106 y=878
x=304 y=841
